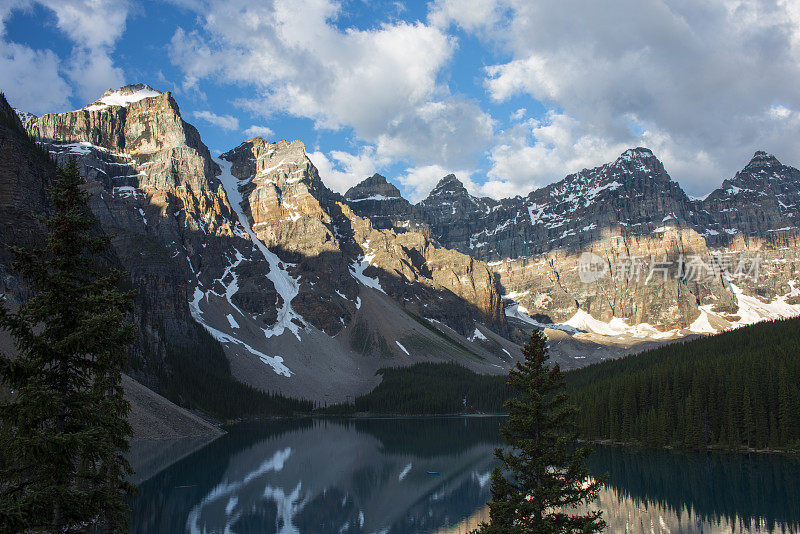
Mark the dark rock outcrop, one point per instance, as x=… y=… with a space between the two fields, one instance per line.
x=762 y=200
x=381 y=202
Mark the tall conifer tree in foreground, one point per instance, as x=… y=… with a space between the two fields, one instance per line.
x=63 y=426
x=542 y=473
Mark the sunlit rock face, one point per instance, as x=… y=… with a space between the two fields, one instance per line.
x=154 y=188
x=666 y=265
x=316 y=231
x=255 y=248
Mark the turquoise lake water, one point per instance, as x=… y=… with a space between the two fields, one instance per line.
x=432 y=475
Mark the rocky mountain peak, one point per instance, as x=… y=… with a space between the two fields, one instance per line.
x=638 y=152
x=762 y=160
x=376 y=187
x=280 y=162
x=123 y=96
x=639 y=159
x=450 y=186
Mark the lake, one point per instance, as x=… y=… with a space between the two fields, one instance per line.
x=426 y=475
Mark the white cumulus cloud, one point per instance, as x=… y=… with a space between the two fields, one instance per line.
x=381 y=81
x=703 y=82
x=41 y=80
x=259 y=131
x=30 y=79
x=225 y=122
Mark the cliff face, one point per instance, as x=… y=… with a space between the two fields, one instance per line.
x=382 y=203
x=762 y=200
x=297 y=288
x=24 y=177
x=628 y=218
x=331 y=248
x=154 y=190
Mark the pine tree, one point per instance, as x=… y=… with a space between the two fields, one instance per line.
x=63 y=427
x=543 y=472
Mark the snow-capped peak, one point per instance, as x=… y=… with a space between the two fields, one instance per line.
x=762 y=159
x=638 y=153
x=123 y=96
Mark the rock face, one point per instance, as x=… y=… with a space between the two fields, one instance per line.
x=762 y=200
x=24 y=177
x=382 y=202
x=305 y=296
x=154 y=190
x=634 y=193
x=631 y=217
x=324 y=243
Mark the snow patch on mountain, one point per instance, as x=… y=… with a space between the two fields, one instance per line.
x=122 y=98
x=477 y=334
x=276 y=362
x=753 y=310
x=358 y=267
x=24 y=116
x=701 y=325
x=584 y=323
x=372 y=197
x=286 y=286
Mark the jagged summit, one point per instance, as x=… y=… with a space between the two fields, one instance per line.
x=761 y=160
x=638 y=152
x=449 y=185
x=376 y=180
x=639 y=157
x=449 y=179
x=376 y=187
x=261 y=152
x=123 y=96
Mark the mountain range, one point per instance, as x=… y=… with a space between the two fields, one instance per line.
x=308 y=292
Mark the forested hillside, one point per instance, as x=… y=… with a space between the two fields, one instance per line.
x=735 y=389
x=435 y=388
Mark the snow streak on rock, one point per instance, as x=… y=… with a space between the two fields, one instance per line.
x=276 y=362
x=286 y=286
x=359 y=266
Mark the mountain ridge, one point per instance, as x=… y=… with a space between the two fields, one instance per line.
x=288 y=279
x=309 y=291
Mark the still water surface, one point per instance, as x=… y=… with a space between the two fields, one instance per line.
x=425 y=475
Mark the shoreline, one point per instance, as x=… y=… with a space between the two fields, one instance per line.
x=379 y=416
x=708 y=448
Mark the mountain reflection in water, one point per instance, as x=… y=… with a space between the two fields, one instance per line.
x=319 y=476
x=372 y=475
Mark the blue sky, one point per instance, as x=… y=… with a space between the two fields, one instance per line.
x=508 y=94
